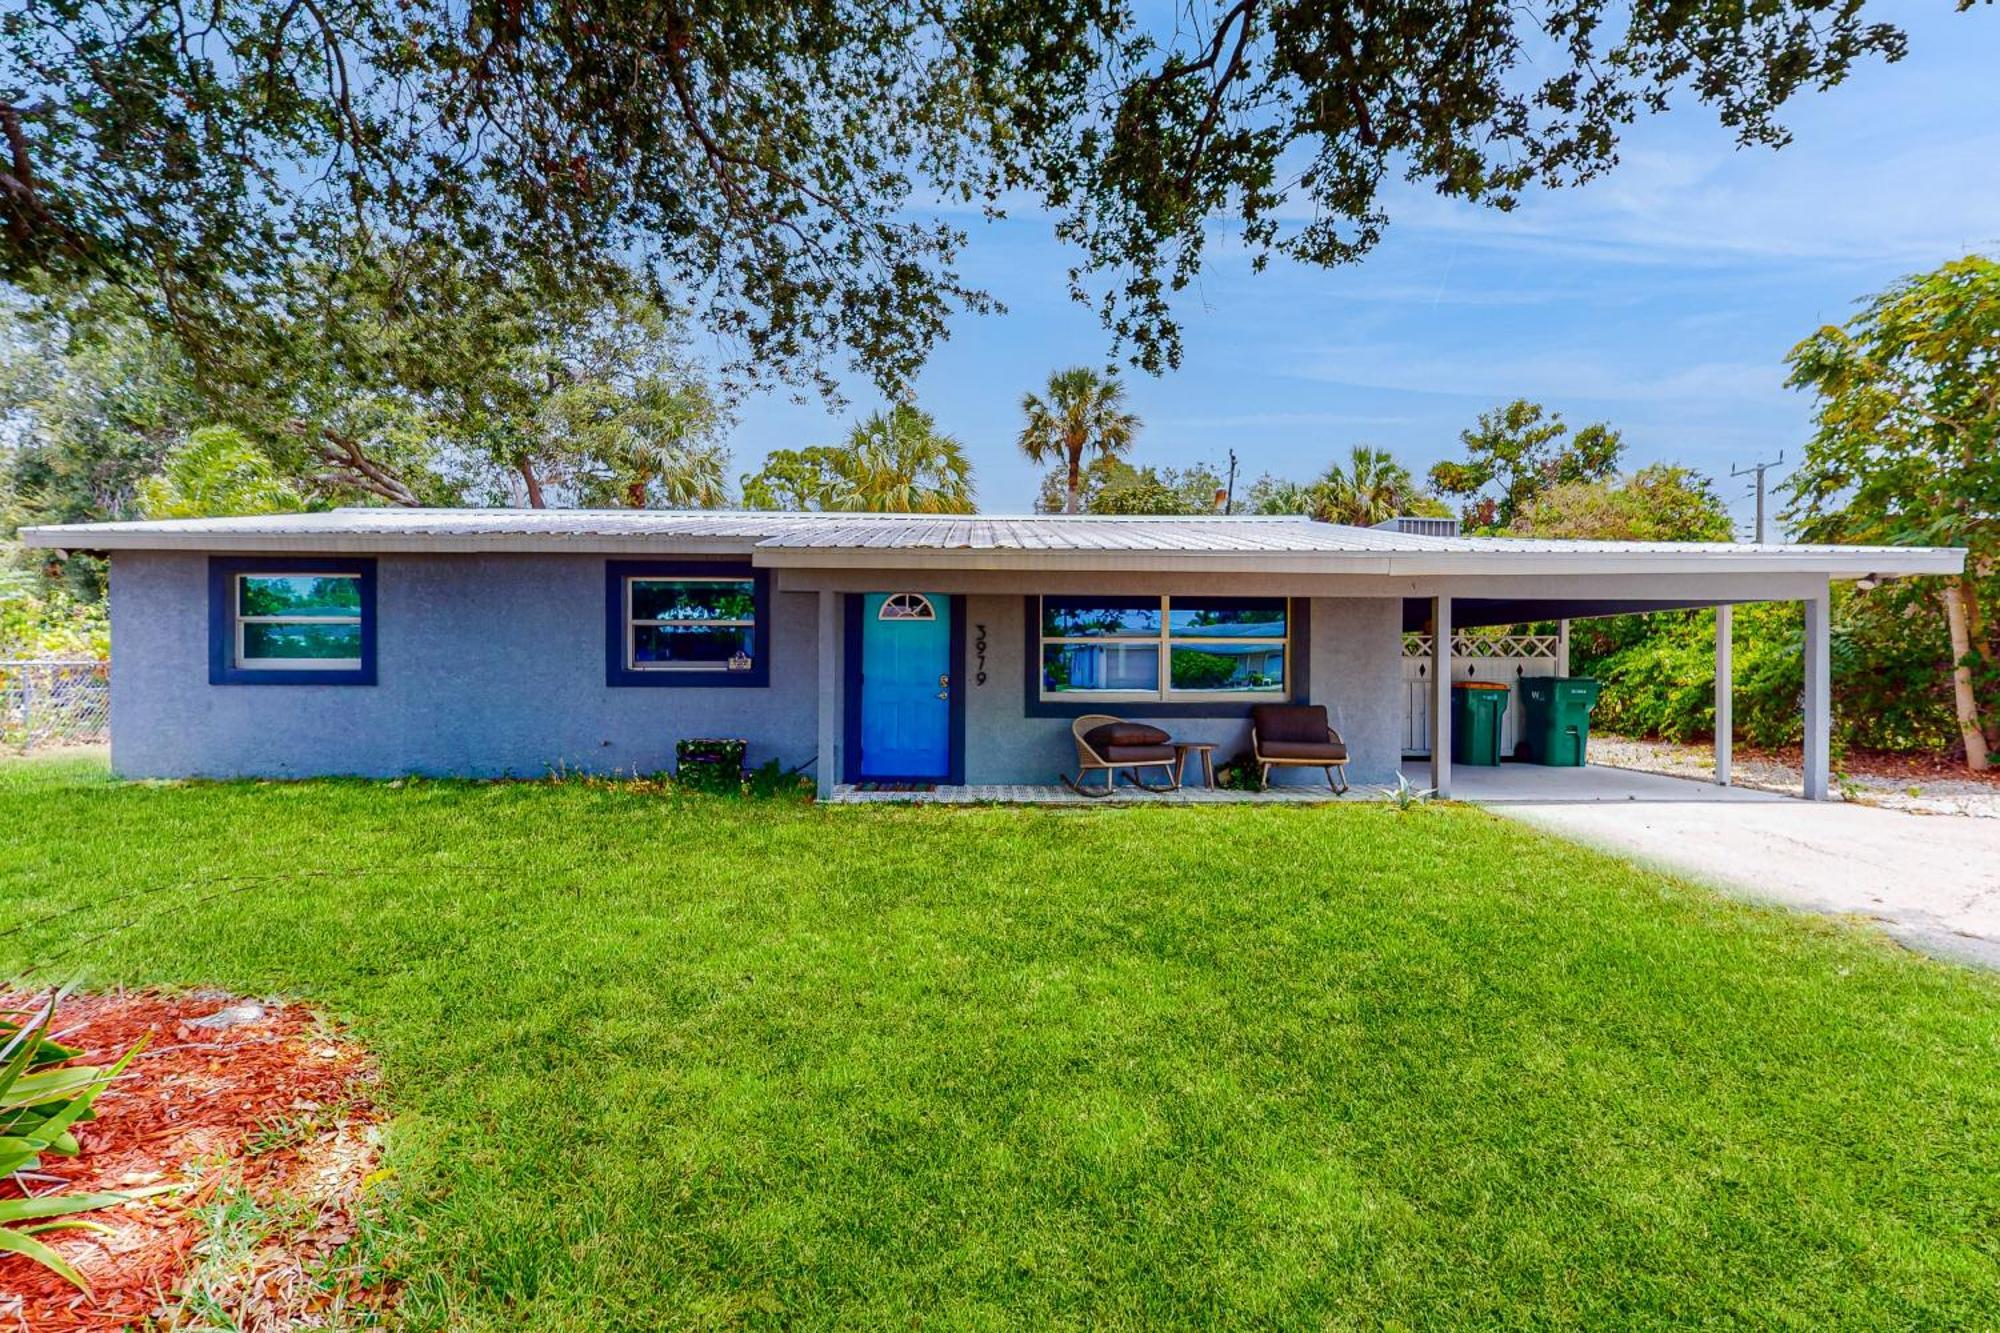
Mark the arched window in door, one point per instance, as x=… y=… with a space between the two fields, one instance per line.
x=906 y=606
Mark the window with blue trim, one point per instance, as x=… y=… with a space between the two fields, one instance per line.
x=291 y=621
x=685 y=623
x=1164 y=648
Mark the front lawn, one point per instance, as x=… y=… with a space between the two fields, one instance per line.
x=662 y=1061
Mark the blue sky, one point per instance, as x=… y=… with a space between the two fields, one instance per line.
x=1661 y=299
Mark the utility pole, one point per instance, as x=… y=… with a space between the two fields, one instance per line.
x=1229 y=496
x=1758 y=470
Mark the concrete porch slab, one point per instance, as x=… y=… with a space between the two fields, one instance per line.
x=1055 y=794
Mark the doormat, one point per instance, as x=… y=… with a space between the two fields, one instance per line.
x=895 y=786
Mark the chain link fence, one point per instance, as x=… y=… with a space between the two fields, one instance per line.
x=48 y=704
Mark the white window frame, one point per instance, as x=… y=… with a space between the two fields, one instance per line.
x=632 y=625
x=244 y=662
x=906 y=606
x=1165 y=641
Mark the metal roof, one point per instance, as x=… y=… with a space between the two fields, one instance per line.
x=822 y=540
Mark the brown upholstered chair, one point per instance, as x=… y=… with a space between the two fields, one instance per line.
x=1295 y=735
x=1100 y=748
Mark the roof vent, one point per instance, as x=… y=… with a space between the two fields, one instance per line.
x=1421 y=527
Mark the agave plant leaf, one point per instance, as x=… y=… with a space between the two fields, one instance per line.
x=27 y=1122
x=67 y=1224
x=48 y=1051
x=36 y=1111
x=18 y=1057
x=54 y=1132
x=61 y=1205
x=21 y=1243
x=20 y=1154
x=50 y=1085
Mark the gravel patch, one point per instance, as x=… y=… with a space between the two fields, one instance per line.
x=1886 y=782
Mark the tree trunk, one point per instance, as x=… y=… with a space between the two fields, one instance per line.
x=635 y=492
x=1956 y=618
x=1980 y=635
x=534 y=484
x=1072 y=500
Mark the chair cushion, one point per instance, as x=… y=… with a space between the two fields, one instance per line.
x=1329 y=752
x=1136 y=754
x=1295 y=723
x=1124 y=733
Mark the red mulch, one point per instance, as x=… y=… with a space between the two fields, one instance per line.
x=194 y=1094
x=1900 y=765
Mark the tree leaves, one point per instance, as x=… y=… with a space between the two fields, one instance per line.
x=892 y=462
x=1515 y=453
x=797 y=176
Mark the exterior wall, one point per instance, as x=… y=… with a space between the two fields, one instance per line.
x=488 y=666
x=1355 y=664
x=494 y=666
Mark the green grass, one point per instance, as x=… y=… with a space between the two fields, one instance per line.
x=662 y=1061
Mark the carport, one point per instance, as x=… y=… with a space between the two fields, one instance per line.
x=1670 y=578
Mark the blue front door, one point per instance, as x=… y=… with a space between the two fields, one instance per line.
x=905 y=686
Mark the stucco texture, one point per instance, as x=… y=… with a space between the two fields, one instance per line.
x=494 y=666
x=1355 y=670
x=488 y=666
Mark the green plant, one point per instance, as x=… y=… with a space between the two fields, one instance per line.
x=40 y=1098
x=1403 y=797
x=713 y=766
x=39 y=617
x=1239 y=774
x=771 y=778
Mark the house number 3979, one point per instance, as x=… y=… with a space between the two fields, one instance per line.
x=979 y=647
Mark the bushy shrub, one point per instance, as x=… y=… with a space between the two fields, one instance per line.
x=1891 y=664
x=39 y=618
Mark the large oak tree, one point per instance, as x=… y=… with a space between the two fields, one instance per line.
x=798 y=174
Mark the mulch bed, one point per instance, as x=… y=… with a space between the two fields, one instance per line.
x=270 y=1103
x=1897 y=765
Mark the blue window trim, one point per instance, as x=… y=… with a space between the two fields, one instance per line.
x=222 y=574
x=618 y=674
x=1298 y=629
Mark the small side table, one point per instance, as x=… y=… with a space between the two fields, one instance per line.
x=1206 y=749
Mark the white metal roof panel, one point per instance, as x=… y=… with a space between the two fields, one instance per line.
x=834 y=540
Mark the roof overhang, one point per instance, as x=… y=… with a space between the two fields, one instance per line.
x=1831 y=562
x=87 y=537
x=832 y=543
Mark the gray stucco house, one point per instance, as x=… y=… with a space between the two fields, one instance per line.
x=863 y=646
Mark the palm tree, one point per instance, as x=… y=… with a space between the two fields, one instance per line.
x=1372 y=487
x=687 y=474
x=1289 y=497
x=1081 y=413
x=899 y=462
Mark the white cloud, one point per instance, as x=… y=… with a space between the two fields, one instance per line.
x=1556 y=375
x=1914 y=203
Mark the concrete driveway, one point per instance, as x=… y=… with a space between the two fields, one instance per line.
x=1932 y=881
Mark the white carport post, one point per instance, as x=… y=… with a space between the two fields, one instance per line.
x=826 y=767
x=1725 y=677
x=1441 y=695
x=1819 y=693
x=1562 y=647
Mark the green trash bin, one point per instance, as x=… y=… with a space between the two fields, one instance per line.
x=1557 y=729
x=1476 y=710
